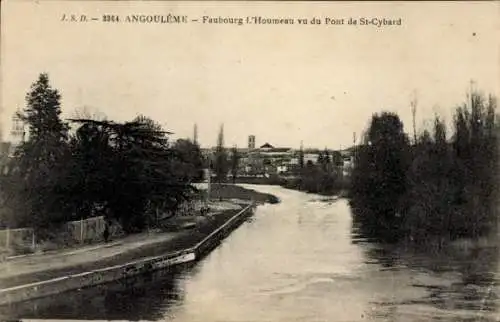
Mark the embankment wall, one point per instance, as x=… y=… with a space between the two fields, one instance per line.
x=114 y=273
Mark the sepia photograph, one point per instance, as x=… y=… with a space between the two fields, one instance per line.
x=249 y=161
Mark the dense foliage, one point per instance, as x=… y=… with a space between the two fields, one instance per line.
x=441 y=187
x=125 y=171
x=323 y=177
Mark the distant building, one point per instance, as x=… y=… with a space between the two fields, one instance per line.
x=251 y=142
x=313 y=157
x=17 y=133
x=17 y=137
x=348 y=161
x=268 y=159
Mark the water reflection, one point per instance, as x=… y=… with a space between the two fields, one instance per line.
x=146 y=297
x=460 y=280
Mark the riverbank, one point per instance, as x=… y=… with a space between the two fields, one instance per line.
x=273 y=180
x=38 y=276
x=31 y=269
x=231 y=191
x=222 y=198
x=341 y=191
x=325 y=187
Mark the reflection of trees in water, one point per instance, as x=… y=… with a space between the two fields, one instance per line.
x=366 y=224
x=478 y=277
x=461 y=276
x=147 y=297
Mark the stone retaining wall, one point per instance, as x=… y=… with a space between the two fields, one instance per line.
x=108 y=274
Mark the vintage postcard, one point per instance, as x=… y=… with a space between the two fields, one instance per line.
x=249 y=161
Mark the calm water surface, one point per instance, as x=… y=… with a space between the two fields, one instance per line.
x=300 y=260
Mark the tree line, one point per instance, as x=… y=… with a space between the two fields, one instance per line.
x=439 y=187
x=127 y=171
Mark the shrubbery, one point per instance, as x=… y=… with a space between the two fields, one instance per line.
x=323 y=177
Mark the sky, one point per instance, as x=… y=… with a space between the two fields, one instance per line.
x=285 y=84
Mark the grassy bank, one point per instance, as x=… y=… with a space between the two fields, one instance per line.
x=325 y=184
x=272 y=180
x=229 y=191
x=328 y=185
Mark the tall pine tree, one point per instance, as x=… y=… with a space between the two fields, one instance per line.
x=42 y=158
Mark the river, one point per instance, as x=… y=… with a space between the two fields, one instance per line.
x=300 y=260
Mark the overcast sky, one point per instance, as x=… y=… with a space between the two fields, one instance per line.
x=284 y=84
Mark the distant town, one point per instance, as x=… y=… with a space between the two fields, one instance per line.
x=268 y=159
x=256 y=160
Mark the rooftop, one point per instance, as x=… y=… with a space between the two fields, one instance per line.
x=267 y=146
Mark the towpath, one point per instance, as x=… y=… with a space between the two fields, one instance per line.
x=39 y=267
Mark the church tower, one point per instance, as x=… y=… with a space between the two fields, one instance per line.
x=251 y=142
x=17 y=132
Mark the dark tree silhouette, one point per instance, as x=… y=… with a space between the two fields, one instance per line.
x=41 y=160
x=221 y=164
x=235 y=162
x=379 y=181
